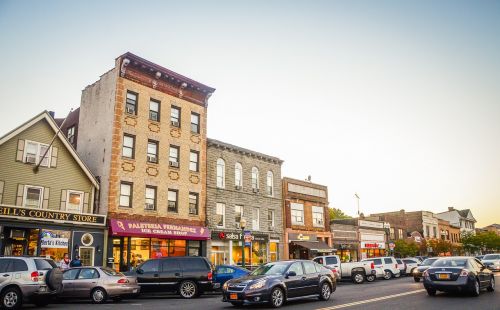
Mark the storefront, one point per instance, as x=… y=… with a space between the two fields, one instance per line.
x=226 y=248
x=307 y=246
x=133 y=242
x=51 y=234
x=348 y=252
x=372 y=249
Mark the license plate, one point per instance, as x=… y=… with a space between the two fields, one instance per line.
x=443 y=276
x=233 y=296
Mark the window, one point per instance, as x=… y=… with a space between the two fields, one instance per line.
x=238 y=213
x=70 y=274
x=71 y=134
x=175 y=116
x=318 y=216
x=255 y=178
x=400 y=231
x=270 y=217
x=125 y=194
x=173 y=156
x=33 y=196
x=297 y=267
x=150 y=266
x=195 y=122
x=297 y=213
x=269 y=187
x=238 y=175
x=309 y=267
x=388 y=260
x=427 y=230
x=172 y=200
x=221 y=214
x=193 y=203
x=391 y=233
x=170 y=265
x=221 y=173
x=152 y=156
x=88 y=273
x=331 y=260
x=154 y=110
x=34 y=151
x=193 y=161
x=17 y=265
x=255 y=219
x=74 y=201
x=128 y=146
x=434 y=232
x=150 y=198
x=131 y=105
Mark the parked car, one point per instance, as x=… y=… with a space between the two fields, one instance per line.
x=388 y=263
x=421 y=258
x=492 y=261
x=401 y=266
x=480 y=257
x=278 y=282
x=411 y=264
x=98 y=284
x=357 y=272
x=189 y=276
x=224 y=273
x=458 y=274
x=28 y=279
x=417 y=272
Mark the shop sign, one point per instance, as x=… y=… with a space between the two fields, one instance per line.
x=51 y=216
x=372 y=245
x=248 y=238
x=302 y=237
x=156 y=230
x=54 y=243
x=371 y=224
x=222 y=235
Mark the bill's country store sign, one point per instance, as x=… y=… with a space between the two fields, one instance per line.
x=21 y=213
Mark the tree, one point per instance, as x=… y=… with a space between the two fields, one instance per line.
x=337 y=214
x=404 y=248
x=484 y=242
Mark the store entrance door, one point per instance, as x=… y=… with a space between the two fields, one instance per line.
x=120 y=254
x=219 y=258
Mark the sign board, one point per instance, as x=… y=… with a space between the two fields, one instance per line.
x=372 y=245
x=363 y=223
x=155 y=230
x=248 y=238
x=302 y=237
x=111 y=260
x=223 y=235
x=54 y=243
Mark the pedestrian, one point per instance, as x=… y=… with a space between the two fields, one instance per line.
x=64 y=264
x=76 y=262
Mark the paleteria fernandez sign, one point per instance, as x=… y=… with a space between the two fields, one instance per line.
x=157 y=230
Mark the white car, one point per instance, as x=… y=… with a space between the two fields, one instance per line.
x=411 y=264
x=388 y=264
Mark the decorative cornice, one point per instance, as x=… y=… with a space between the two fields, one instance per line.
x=237 y=149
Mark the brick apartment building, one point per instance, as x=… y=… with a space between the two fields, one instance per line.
x=142 y=131
x=397 y=222
x=449 y=232
x=307 y=220
x=243 y=184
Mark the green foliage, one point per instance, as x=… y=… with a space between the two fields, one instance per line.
x=405 y=248
x=337 y=214
x=482 y=242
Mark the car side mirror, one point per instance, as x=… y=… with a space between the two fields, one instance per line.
x=139 y=271
x=291 y=274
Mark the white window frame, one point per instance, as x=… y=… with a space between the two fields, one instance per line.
x=271 y=224
x=38 y=153
x=80 y=207
x=71 y=134
x=130 y=185
x=256 y=219
x=301 y=209
x=40 y=200
x=223 y=209
x=315 y=211
x=238 y=180
x=270 y=177
x=155 y=192
x=221 y=175
x=235 y=212
x=255 y=176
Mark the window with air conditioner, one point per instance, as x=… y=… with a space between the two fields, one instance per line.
x=318 y=216
x=150 y=196
x=175 y=116
x=174 y=156
x=74 y=201
x=152 y=156
x=128 y=149
x=220 y=213
x=193 y=203
x=33 y=196
x=297 y=213
x=154 y=110
x=172 y=200
x=34 y=153
x=221 y=173
x=131 y=103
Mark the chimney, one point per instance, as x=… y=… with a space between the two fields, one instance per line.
x=451 y=209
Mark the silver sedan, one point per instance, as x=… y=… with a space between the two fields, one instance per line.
x=98 y=284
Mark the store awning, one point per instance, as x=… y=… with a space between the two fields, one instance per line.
x=319 y=246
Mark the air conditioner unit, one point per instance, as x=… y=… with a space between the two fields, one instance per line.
x=130 y=110
x=175 y=123
x=152 y=159
x=150 y=206
x=30 y=160
x=174 y=164
x=237 y=187
x=255 y=190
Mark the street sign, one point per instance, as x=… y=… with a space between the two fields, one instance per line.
x=248 y=238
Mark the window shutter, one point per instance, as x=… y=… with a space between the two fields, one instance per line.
x=20 y=150
x=1 y=190
x=20 y=194
x=46 y=194
x=63 y=200
x=53 y=159
x=86 y=203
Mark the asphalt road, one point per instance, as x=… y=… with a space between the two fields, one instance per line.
x=401 y=293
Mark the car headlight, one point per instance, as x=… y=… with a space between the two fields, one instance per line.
x=224 y=287
x=257 y=285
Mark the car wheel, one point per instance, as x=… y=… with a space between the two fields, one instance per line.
x=12 y=298
x=98 y=295
x=188 y=289
x=416 y=279
x=411 y=271
x=476 y=289
x=491 y=287
x=326 y=291
x=431 y=291
x=370 y=278
x=387 y=275
x=358 y=278
x=277 y=298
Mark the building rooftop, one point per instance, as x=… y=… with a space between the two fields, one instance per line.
x=237 y=149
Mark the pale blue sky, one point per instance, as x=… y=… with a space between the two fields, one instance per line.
x=396 y=100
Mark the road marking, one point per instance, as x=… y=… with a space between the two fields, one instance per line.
x=356 y=303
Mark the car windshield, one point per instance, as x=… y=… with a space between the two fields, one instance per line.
x=491 y=256
x=270 y=269
x=428 y=261
x=112 y=272
x=459 y=262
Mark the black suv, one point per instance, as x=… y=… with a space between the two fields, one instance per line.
x=188 y=276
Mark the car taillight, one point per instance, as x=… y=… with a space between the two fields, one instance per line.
x=209 y=275
x=464 y=273
x=34 y=276
x=123 y=281
x=372 y=265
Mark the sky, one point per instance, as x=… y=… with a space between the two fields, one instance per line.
x=398 y=101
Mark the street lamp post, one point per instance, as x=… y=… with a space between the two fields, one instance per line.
x=243 y=223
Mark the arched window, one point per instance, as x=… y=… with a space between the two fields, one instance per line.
x=238 y=175
x=255 y=178
x=221 y=173
x=270 y=182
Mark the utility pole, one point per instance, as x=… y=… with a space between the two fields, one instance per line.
x=357 y=197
